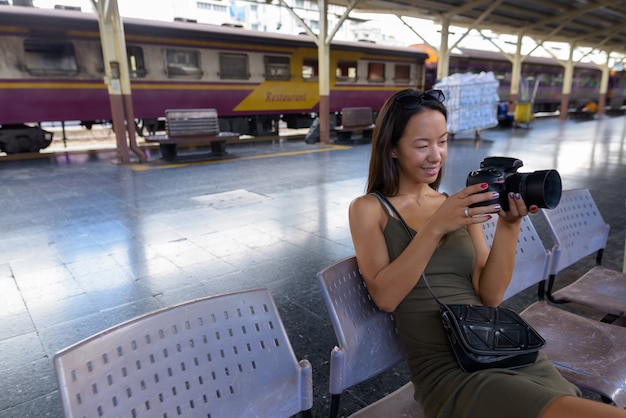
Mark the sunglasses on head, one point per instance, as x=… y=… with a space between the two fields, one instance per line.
x=413 y=100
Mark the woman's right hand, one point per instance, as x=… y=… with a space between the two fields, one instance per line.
x=456 y=213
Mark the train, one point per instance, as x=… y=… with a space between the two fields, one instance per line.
x=547 y=73
x=52 y=70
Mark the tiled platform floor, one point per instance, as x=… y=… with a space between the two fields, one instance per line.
x=85 y=243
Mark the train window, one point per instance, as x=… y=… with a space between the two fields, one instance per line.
x=402 y=73
x=277 y=68
x=593 y=81
x=183 y=63
x=234 y=66
x=376 y=72
x=346 y=71
x=50 y=57
x=100 y=61
x=557 y=80
x=586 y=80
x=136 y=65
x=309 y=69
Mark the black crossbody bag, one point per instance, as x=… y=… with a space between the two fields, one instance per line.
x=484 y=337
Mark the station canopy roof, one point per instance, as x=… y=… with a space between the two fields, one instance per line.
x=599 y=24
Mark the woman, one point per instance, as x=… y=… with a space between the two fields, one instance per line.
x=409 y=149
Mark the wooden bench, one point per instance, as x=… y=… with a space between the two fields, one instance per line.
x=355 y=119
x=191 y=127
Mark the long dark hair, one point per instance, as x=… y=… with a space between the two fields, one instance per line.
x=383 y=174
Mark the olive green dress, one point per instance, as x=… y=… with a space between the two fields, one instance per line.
x=442 y=388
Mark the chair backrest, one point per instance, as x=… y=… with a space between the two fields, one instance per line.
x=531 y=258
x=367 y=338
x=221 y=356
x=577 y=228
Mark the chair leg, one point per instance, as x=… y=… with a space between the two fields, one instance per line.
x=334 y=406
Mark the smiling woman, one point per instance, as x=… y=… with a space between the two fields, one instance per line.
x=445 y=241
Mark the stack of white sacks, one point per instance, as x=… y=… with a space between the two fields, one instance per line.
x=472 y=101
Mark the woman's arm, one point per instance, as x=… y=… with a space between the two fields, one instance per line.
x=388 y=283
x=493 y=269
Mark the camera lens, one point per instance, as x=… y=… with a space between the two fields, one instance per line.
x=542 y=188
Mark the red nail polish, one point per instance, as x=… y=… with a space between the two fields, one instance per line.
x=484 y=185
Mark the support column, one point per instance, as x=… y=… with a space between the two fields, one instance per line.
x=568 y=77
x=443 y=64
x=323 y=59
x=604 y=85
x=117 y=78
x=516 y=71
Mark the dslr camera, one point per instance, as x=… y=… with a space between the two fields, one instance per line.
x=542 y=188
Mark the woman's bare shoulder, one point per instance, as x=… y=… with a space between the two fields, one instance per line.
x=368 y=207
x=365 y=203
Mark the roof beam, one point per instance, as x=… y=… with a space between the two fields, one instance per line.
x=595 y=22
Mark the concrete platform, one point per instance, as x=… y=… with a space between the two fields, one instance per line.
x=87 y=243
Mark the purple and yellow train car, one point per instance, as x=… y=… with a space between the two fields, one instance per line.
x=51 y=69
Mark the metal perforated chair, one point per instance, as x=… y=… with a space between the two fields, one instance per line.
x=578 y=230
x=220 y=356
x=367 y=342
x=531 y=258
x=586 y=352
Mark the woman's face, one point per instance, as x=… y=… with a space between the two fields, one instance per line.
x=423 y=147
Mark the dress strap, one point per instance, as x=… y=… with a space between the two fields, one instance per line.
x=394 y=212
x=391 y=211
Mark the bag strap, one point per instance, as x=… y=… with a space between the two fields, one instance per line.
x=388 y=204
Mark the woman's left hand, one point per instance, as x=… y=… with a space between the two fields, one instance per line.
x=517 y=209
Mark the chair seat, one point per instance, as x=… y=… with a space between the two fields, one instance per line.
x=600 y=288
x=398 y=404
x=595 y=360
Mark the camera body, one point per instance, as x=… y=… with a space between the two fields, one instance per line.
x=542 y=188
